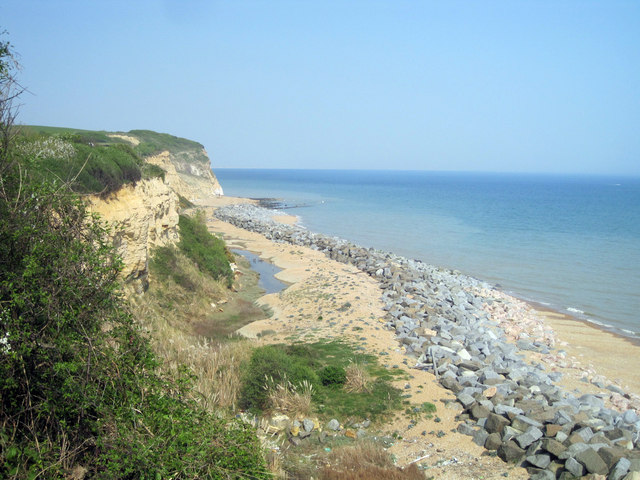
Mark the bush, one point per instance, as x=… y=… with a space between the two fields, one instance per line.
x=79 y=383
x=207 y=250
x=270 y=366
x=333 y=376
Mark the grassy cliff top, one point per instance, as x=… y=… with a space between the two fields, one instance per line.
x=100 y=161
x=151 y=142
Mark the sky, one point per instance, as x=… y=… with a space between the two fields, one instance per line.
x=497 y=86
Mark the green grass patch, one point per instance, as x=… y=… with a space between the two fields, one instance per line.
x=152 y=143
x=90 y=162
x=207 y=250
x=300 y=361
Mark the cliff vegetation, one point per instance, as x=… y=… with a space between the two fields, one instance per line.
x=82 y=393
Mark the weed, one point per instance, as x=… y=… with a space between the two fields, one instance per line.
x=358 y=378
x=290 y=399
x=365 y=461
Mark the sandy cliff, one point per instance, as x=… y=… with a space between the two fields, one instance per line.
x=144 y=216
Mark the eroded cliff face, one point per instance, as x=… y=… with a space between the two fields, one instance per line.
x=188 y=174
x=143 y=216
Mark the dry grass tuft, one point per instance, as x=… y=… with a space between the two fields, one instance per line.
x=358 y=379
x=365 y=461
x=290 y=399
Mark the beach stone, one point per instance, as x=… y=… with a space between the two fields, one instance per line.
x=552 y=446
x=574 y=467
x=510 y=452
x=523 y=423
x=540 y=460
x=465 y=399
x=573 y=450
x=629 y=416
x=527 y=438
x=620 y=469
x=465 y=429
x=611 y=455
x=552 y=429
x=495 y=423
x=490 y=392
x=509 y=433
x=479 y=411
x=480 y=437
x=542 y=475
x=451 y=384
x=632 y=476
x=333 y=425
x=493 y=441
x=308 y=425
x=592 y=461
x=507 y=410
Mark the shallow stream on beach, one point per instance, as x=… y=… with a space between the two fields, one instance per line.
x=265 y=270
x=571 y=243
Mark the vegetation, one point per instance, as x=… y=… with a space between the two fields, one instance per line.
x=293 y=365
x=152 y=143
x=206 y=250
x=365 y=461
x=80 y=388
x=87 y=167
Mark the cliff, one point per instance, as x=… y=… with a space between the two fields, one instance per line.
x=188 y=175
x=145 y=215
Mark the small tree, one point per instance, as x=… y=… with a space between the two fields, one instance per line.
x=10 y=90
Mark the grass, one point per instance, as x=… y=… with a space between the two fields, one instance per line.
x=152 y=143
x=91 y=162
x=365 y=461
x=205 y=249
x=301 y=361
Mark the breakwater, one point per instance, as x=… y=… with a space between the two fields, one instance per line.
x=472 y=337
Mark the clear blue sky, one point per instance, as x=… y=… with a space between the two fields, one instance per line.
x=524 y=86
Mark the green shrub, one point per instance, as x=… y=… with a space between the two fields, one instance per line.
x=273 y=364
x=269 y=366
x=207 y=250
x=79 y=383
x=164 y=263
x=333 y=376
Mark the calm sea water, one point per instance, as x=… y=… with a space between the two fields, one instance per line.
x=569 y=242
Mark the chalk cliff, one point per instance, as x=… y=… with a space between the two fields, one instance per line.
x=188 y=174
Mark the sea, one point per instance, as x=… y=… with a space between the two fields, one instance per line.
x=570 y=242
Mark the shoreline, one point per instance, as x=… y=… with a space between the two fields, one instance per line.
x=527 y=330
x=563 y=322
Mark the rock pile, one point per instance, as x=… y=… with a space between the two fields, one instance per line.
x=462 y=330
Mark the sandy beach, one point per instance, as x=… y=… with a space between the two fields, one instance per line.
x=327 y=299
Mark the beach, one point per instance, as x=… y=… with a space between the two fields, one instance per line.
x=331 y=299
